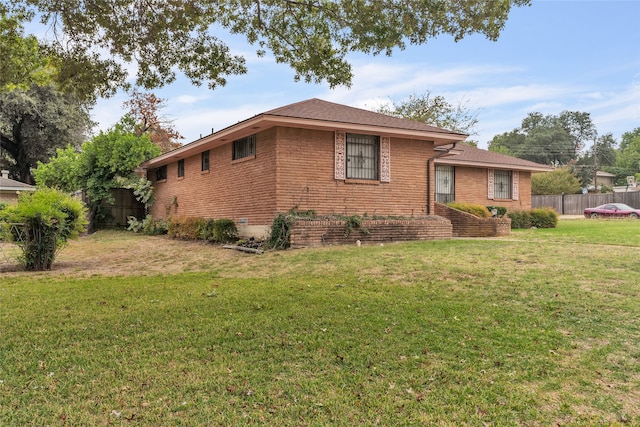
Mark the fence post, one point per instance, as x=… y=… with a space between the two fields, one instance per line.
x=562 y=213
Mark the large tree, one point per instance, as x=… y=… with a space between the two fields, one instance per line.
x=33 y=123
x=435 y=111
x=553 y=140
x=45 y=95
x=312 y=36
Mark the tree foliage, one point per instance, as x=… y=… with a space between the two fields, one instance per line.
x=435 y=111
x=313 y=37
x=35 y=122
x=99 y=164
x=628 y=156
x=558 y=181
x=68 y=68
x=144 y=108
x=41 y=224
x=552 y=140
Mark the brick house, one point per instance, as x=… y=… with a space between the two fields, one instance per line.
x=472 y=175
x=310 y=155
x=10 y=189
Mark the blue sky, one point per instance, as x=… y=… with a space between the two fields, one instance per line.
x=553 y=56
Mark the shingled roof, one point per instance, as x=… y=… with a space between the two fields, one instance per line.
x=466 y=155
x=317 y=109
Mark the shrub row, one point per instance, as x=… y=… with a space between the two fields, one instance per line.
x=538 y=218
x=219 y=230
x=187 y=228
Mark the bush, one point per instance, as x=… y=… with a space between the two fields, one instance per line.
x=279 y=237
x=225 y=230
x=520 y=219
x=187 y=228
x=544 y=218
x=41 y=224
x=477 y=210
x=539 y=218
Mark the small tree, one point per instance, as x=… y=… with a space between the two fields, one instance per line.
x=556 y=182
x=41 y=224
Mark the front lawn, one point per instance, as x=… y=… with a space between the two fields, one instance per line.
x=539 y=328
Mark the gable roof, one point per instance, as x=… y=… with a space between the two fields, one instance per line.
x=8 y=184
x=466 y=155
x=314 y=114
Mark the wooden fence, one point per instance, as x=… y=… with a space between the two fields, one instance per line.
x=575 y=204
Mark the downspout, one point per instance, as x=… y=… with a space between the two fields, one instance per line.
x=430 y=165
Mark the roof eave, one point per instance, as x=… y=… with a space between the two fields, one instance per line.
x=264 y=121
x=531 y=168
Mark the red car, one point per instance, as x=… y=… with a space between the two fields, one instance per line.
x=612 y=210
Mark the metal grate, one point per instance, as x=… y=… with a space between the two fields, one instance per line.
x=362 y=156
x=502 y=184
x=244 y=147
x=445 y=184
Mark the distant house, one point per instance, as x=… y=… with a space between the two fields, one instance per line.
x=472 y=175
x=329 y=158
x=10 y=189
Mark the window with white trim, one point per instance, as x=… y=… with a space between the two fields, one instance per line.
x=244 y=147
x=502 y=184
x=362 y=153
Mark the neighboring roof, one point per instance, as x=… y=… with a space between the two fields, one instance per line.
x=7 y=184
x=466 y=155
x=314 y=114
x=605 y=174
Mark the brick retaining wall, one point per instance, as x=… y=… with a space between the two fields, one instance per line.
x=308 y=232
x=467 y=225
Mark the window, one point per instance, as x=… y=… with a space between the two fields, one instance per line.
x=244 y=147
x=205 y=160
x=445 y=184
x=502 y=184
x=161 y=173
x=181 y=168
x=362 y=156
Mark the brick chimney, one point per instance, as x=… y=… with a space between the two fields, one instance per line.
x=5 y=174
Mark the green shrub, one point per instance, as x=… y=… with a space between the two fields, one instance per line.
x=225 y=230
x=41 y=224
x=477 y=210
x=520 y=219
x=188 y=228
x=539 y=218
x=500 y=210
x=185 y=228
x=205 y=229
x=544 y=218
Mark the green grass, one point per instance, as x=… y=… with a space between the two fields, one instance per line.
x=539 y=328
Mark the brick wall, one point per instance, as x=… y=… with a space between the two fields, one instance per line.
x=471 y=187
x=241 y=189
x=305 y=165
x=329 y=232
x=466 y=225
